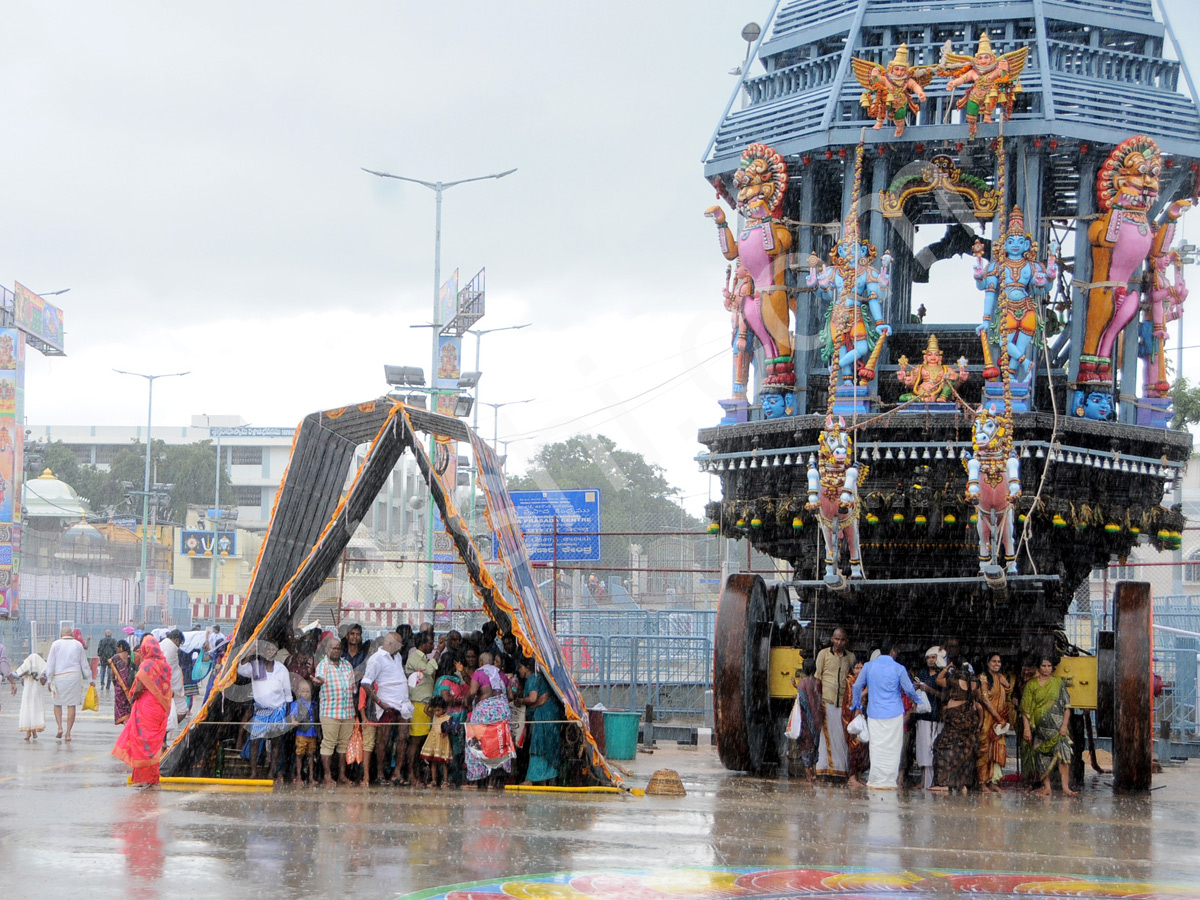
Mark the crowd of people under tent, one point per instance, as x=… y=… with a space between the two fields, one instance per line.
x=865 y=723
x=408 y=708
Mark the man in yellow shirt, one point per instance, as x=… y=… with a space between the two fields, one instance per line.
x=834 y=664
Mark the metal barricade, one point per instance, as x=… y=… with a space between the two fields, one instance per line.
x=626 y=671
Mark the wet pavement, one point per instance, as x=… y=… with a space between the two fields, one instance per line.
x=71 y=827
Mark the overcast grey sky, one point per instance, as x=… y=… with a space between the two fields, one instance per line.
x=191 y=172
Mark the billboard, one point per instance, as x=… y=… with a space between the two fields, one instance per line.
x=193 y=542
x=12 y=462
x=469 y=307
x=36 y=317
x=449 y=361
x=578 y=515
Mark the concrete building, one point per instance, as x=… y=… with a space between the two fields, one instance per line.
x=254 y=456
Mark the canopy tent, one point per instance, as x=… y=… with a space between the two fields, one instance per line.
x=312 y=523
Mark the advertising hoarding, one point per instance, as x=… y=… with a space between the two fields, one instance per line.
x=449 y=362
x=578 y=513
x=12 y=462
x=38 y=318
x=193 y=542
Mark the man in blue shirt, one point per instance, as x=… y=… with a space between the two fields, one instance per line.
x=885 y=680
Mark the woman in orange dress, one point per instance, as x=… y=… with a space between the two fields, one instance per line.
x=859 y=753
x=140 y=745
x=994 y=693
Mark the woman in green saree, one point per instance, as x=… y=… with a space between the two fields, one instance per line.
x=1045 y=715
x=545 y=712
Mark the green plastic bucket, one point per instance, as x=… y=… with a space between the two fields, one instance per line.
x=621 y=734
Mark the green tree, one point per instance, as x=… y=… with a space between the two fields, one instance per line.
x=189 y=468
x=634 y=495
x=59 y=459
x=1186 y=401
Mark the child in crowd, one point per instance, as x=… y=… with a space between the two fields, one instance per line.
x=301 y=712
x=436 y=750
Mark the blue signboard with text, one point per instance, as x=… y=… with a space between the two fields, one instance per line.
x=578 y=515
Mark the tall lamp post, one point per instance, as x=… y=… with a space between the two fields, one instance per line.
x=496 y=417
x=217 y=516
x=146 y=485
x=438 y=188
x=479 y=333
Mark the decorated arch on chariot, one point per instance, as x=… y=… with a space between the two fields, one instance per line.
x=918 y=476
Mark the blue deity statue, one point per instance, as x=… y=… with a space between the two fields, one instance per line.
x=778 y=405
x=855 y=291
x=1095 y=404
x=1012 y=287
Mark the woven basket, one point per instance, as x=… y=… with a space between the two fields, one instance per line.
x=666 y=783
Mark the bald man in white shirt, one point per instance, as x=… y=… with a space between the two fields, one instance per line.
x=66 y=670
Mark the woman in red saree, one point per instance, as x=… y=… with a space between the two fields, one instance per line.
x=140 y=745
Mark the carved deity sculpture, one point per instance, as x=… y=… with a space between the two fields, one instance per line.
x=778 y=403
x=931 y=381
x=761 y=248
x=1122 y=239
x=994 y=80
x=1164 y=307
x=855 y=291
x=1012 y=286
x=833 y=492
x=994 y=482
x=742 y=303
x=891 y=92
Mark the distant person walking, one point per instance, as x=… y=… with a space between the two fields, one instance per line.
x=140 y=744
x=66 y=669
x=106 y=650
x=32 y=718
x=887 y=682
x=121 y=668
x=170 y=646
x=6 y=669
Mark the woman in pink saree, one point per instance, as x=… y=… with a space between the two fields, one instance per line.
x=140 y=745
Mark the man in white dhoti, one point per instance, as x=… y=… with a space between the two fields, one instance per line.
x=834 y=664
x=885 y=680
x=66 y=670
x=170 y=645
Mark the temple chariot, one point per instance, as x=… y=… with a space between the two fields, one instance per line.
x=920 y=478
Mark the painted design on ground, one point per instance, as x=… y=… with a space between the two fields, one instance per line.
x=784 y=884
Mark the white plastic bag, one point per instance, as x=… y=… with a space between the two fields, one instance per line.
x=858 y=728
x=923 y=704
x=795 y=721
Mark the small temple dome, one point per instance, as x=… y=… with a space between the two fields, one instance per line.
x=47 y=497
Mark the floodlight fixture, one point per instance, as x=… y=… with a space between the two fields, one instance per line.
x=462 y=406
x=413 y=376
x=469 y=379
x=417 y=400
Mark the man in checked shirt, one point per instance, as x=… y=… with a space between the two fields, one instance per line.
x=335 y=677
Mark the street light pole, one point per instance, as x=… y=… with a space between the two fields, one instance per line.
x=438 y=188
x=479 y=333
x=216 y=522
x=496 y=417
x=146 y=485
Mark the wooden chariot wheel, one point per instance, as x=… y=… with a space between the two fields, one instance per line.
x=741 y=656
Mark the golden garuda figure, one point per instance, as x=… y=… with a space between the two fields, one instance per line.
x=994 y=80
x=893 y=91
